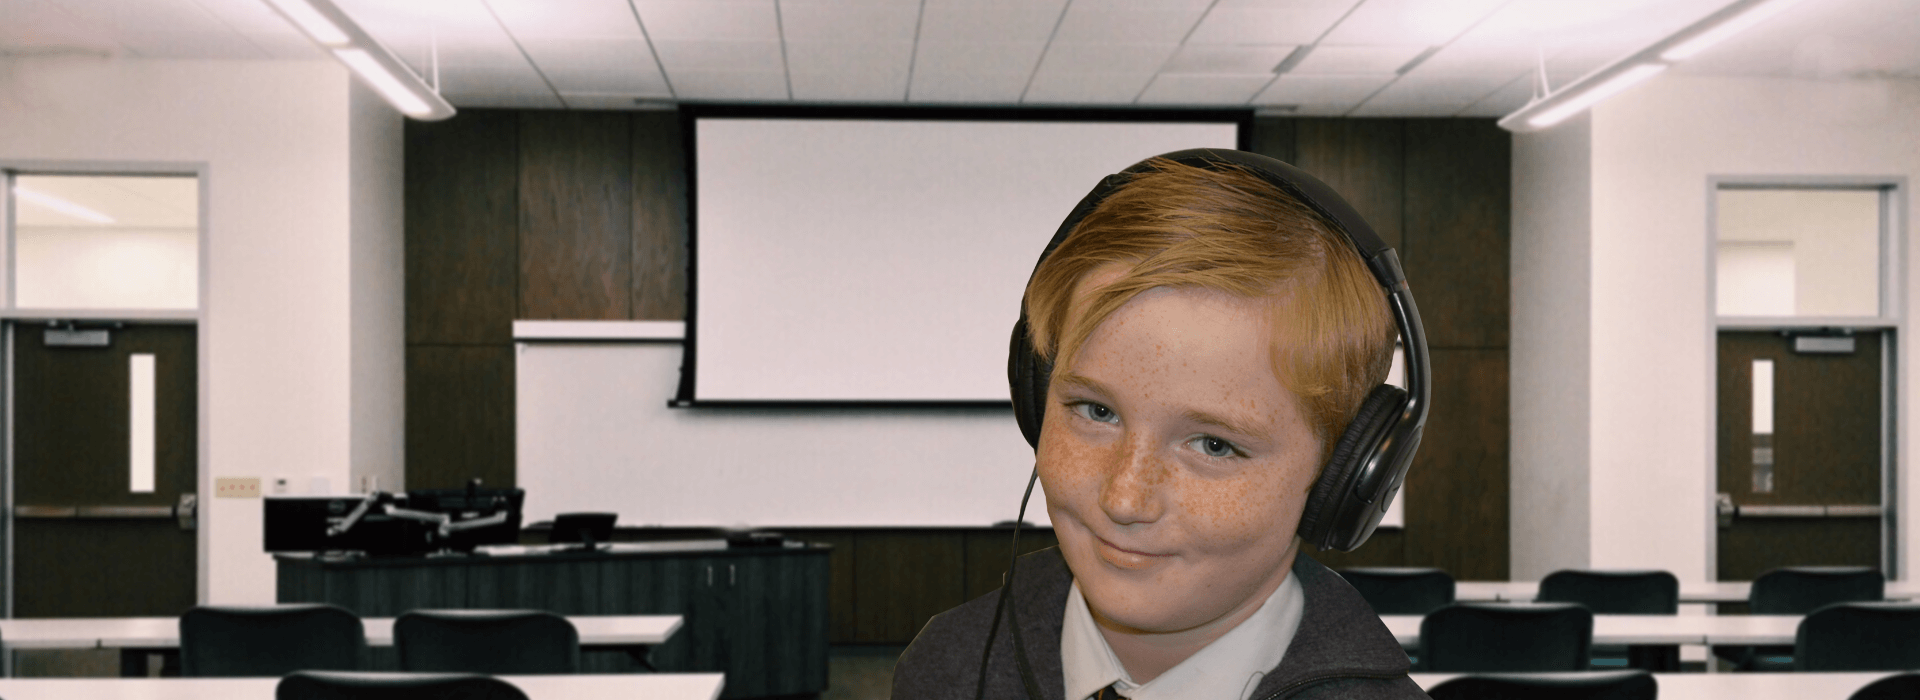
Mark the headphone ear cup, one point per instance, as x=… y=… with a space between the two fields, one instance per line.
x=1027 y=376
x=1322 y=522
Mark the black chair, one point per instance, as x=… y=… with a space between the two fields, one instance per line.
x=1621 y=592
x=1800 y=590
x=1859 y=637
x=270 y=641
x=1506 y=637
x=1401 y=590
x=1905 y=686
x=495 y=642
x=1583 y=685
x=324 y=685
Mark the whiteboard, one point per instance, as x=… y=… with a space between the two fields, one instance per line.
x=884 y=260
x=595 y=434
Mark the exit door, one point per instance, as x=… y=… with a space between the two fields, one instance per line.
x=1800 y=472
x=105 y=455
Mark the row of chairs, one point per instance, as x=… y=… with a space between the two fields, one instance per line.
x=282 y=639
x=1835 y=636
x=346 y=685
x=1617 y=685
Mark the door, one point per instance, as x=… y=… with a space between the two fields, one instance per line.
x=1803 y=483
x=97 y=531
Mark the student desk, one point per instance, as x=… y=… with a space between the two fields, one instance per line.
x=138 y=636
x=1654 y=629
x=695 y=686
x=756 y=614
x=1737 y=686
x=1690 y=592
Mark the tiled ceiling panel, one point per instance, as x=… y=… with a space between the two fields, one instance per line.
x=1459 y=57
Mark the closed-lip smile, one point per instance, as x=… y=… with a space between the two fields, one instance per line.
x=1126 y=558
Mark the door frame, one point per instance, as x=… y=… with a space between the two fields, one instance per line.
x=1892 y=319
x=198 y=316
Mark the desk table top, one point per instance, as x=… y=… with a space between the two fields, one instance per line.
x=662 y=686
x=164 y=632
x=1654 y=629
x=1737 y=686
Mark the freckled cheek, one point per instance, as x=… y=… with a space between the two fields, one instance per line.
x=1069 y=469
x=1228 y=515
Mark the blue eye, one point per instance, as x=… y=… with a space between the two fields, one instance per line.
x=1214 y=447
x=1095 y=412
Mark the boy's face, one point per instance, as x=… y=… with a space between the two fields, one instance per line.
x=1176 y=465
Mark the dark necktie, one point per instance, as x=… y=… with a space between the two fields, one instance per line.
x=1108 y=693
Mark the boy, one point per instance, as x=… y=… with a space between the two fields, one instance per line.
x=1205 y=339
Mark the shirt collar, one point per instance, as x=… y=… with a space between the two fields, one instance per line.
x=1229 y=668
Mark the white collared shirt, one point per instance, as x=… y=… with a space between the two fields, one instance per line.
x=1228 y=669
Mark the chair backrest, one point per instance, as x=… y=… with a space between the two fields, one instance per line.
x=1859 y=637
x=1905 y=686
x=1506 y=637
x=1578 y=685
x=270 y=641
x=1798 y=590
x=486 y=641
x=1401 y=590
x=324 y=685
x=1644 y=592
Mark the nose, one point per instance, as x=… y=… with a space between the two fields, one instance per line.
x=1132 y=491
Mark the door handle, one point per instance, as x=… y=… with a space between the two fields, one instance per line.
x=96 y=512
x=187 y=512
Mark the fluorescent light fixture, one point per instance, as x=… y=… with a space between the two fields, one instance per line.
x=383 y=82
x=333 y=30
x=312 y=22
x=1615 y=77
x=1593 y=95
x=1732 y=20
x=61 y=205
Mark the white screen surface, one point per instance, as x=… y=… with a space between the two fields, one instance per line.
x=883 y=260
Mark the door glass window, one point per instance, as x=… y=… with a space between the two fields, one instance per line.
x=1798 y=252
x=106 y=242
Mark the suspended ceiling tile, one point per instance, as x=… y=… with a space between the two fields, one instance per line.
x=591 y=54
x=1059 y=87
x=144 y=15
x=709 y=20
x=503 y=99
x=1191 y=89
x=977 y=57
x=1322 y=90
x=1292 y=24
x=1415 y=95
x=487 y=81
x=1091 y=23
x=285 y=44
x=730 y=85
x=818 y=20
x=888 y=86
x=1483 y=56
x=1422 y=22
x=1334 y=59
x=561 y=19
x=721 y=56
x=388 y=20
x=886 y=58
x=1227 y=60
x=989 y=88
x=245 y=15
x=1066 y=58
x=1503 y=101
x=608 y=81
x=953 y=21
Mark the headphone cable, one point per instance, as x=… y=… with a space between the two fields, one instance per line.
x=1020 y=655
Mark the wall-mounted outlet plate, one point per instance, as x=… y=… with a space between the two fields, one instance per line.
x=236 y=487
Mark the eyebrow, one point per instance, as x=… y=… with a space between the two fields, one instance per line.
x=1231 y=425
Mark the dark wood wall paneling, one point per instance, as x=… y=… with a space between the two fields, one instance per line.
x=532 y=215
x=1437 y=190
x=519 y=213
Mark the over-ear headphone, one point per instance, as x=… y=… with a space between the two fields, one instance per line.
x=1370 y=459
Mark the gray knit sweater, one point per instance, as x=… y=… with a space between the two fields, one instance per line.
x=1340 y=651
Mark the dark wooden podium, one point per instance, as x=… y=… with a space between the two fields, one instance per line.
x=757 y=614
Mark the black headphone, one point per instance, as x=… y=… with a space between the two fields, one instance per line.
x=1371 y=458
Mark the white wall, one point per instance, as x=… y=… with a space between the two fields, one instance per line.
x=1653 y=150
x=378 y=289
x=1550 y=473
x=277 y=329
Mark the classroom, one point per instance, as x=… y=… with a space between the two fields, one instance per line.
x=740 y=272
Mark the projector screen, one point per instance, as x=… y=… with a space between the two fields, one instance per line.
x=883 y=260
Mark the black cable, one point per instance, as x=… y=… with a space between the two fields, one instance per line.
x=1020 y=654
